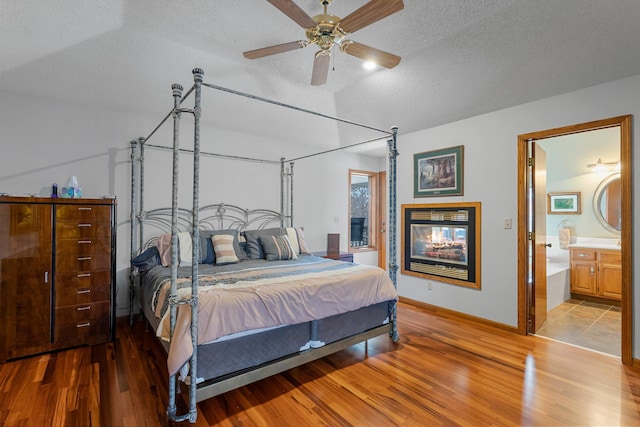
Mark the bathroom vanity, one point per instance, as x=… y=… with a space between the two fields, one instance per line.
x=596 y=270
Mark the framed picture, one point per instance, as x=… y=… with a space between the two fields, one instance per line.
x=565 y=203
x=438 y=173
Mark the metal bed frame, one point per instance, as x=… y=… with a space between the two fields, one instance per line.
x=191 y=219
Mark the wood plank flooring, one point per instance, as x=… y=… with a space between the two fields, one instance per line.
x=444 y=371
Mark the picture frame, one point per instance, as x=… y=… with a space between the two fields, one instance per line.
x=439 y=172
x=564 y=203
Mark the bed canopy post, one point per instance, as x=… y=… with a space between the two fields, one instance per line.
x=177 y=96
x=136 y=211
x=134 y=226
x=198 y=74
x=141 y=142
x=286 y=187
x=291 y=195
x=393 y=232
x=283 y=190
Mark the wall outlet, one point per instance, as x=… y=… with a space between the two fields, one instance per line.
x=507 y=223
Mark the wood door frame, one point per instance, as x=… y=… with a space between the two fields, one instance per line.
x=624 y=122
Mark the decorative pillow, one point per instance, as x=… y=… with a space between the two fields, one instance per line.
x=207 y=256
x=240 y=253
x=223 y=247
x=185 y=243
x=278 y=248
x=147 y=259
x=185 y=248
x=254 y=248
x=296 y=237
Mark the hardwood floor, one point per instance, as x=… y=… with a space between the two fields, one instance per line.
x=443 y=371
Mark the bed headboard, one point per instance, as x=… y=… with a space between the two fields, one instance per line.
x=152 y=224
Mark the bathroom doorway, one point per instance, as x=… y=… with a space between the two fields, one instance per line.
x=576 y=222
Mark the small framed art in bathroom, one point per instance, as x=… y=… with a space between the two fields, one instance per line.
x=564 y=203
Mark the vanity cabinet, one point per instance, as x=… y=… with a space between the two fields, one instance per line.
x=57 y=274
x=596 y=272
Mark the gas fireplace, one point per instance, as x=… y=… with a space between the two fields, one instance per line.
x=441 y=242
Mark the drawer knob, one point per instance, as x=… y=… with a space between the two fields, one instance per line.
x=582 y=255
x=84 y=258
x=84 y=242
x=85 y=308
x=83 y=291
x=84 y=275
x=83 y=325
x=84 y=209
x=84 y=225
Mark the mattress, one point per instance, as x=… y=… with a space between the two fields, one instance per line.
x=322 y=321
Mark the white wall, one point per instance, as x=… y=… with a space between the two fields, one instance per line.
x=46 y=141
x=490 y=177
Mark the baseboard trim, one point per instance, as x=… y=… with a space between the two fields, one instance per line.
x=445 y=312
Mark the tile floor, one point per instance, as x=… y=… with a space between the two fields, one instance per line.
x=585 y=324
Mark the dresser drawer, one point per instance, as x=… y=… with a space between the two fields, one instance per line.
x=78 y=246
x=583 y=254
x=83 y=212
x=82 y=288
x=83 y=263
x=82 y=324
x=89 y=229
x=611 y=257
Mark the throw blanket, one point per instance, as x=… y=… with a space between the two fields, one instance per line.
x=253 y=298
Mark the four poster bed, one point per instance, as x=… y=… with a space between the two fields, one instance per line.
x=234 y=294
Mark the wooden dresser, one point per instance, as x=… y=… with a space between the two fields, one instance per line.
x=596 y=272
x=57 y=274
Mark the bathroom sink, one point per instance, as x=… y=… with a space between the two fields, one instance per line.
x=595 y=246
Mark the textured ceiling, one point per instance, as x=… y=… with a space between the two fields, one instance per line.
x=460 y=58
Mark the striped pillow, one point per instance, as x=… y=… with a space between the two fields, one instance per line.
x=223 y=247
x=296 y=237
x=278 y=248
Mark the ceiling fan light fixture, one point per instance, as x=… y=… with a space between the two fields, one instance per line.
x=369 y=65
x=326 y=31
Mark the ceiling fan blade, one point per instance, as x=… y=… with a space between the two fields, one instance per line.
x=272 y=50
x=371 y=12
x=320 y=67
x=294 y=12
x=368 y=53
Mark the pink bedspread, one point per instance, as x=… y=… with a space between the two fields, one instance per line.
x=253 y=298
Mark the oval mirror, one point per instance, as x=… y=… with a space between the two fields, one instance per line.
x=607 y=203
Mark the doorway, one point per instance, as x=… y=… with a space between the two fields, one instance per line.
x=528 y=243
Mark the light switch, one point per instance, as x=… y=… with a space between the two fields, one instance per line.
x=507 y=223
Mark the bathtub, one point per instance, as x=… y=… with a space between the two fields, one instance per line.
x=558 y=274
x=558 y=281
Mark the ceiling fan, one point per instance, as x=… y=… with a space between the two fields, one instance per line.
x=327 y=31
